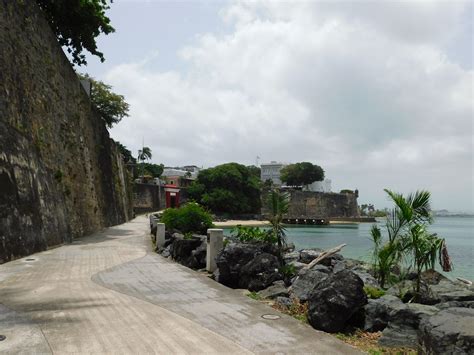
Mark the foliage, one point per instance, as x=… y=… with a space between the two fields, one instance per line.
x=254 y=295
x=254 y=171
x=144 y=154
x=253 y=234
x=407 y=230
x=155 y=170
x=126 y=153
x=297 y=310
x=77 y=23
x=303 y=173
x=278 y=204
x=373 y=292
x=368 y=342
x=288 y=271
x=190 y=218
x=346 y=191
x=227 y=188
x=111 y=107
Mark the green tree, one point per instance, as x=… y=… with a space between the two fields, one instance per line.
x=227 y=188
x=77 y=23
x=301 y=174
x=278 y=204
x=154 y=170
x=144 y=154
x=407 y=229
x=126 y=153
x=111 y=106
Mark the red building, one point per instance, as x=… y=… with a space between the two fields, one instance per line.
x=171 y=196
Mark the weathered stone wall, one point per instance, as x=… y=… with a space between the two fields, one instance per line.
x=61 y=176
x=307 y=204
x=147 y=198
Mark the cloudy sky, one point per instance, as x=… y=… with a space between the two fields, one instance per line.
x=380 y=94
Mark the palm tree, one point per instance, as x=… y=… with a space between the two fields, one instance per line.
x=278 y=204
x=144 y=154
x=407 y=229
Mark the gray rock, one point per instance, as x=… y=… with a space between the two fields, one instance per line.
x=335 y=300
x=305 y=283
x=297 y=265
x=450 y=331
x=260 y=272
x=308 y=255
x=377 y=312
x=451 y=304
x=396 y=336
x=367 y=278
x=291 y=257
x=233 y=258
x=278 y=289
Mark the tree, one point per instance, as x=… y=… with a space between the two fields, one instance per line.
x=154 y=170
x=144 y=154
x=111 y=107
x=278 y=204
x=301 y=174
x=77 y=23
x=227 y=188
x=407 y=230
x=126 y=153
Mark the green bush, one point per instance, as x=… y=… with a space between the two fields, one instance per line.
x=373 y=292
x=253 y=234
x=190 y=218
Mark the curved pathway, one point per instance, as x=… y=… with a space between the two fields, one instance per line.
x=109 y=294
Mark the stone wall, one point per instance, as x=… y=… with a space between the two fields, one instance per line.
x=307 y=204
x=61 y=176
x=148 y=198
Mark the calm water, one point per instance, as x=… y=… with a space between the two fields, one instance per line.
x=458 y=232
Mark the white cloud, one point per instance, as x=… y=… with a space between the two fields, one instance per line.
x=363 y=89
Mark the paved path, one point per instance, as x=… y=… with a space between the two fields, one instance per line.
x=109 y=294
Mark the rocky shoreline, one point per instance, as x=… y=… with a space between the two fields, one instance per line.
x=338 y=293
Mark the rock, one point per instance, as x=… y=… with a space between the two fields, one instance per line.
x=366 y=278
x=395 y=336
x=450 y=331
x=278 y=289
x=291 y=257
x=306 y=281
x=166 y=252
x=335 y=300
x=338 y=266
x=260 y=272
x=451 y=304
x=185 y=251
x=297 y=265
x=289 y=247
x=233 y=258
x=377 y=312
x=284 y=301
x=308 y=255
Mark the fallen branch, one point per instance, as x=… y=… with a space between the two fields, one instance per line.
x=324 y=255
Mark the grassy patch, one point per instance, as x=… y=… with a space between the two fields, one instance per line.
x=373 y=292
x=296 y=310
x=254 y=295
x=368 y=342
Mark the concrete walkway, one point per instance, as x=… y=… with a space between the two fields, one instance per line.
x=109 y=294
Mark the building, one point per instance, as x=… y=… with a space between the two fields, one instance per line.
x=180 y=176
x=319 y=186
x=271 y=171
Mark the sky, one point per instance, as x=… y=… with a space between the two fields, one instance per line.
x=378 y=93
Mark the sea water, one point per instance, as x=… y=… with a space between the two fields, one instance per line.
x=458 y=232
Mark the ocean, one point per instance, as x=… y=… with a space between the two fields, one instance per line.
x=458 y=232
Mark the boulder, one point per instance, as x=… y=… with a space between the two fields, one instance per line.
x=308 y=255
x=297 y=265
x=181 y=250
x=335 y=300
x=396 y=336
x=291 y=257
x=450 y=331
x=366 y=278
x=306 y=281
x=233 y=258
x=260 y=272
x=377 y=312
x=278 y=289
x=451 y=304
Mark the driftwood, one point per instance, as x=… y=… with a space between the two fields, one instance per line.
x=325 y=254
x=322 y=256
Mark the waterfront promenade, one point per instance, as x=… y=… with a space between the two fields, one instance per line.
x=109 y=293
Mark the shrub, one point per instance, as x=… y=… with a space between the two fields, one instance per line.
x=253 y=234
x=190 y=218
x=373 y=292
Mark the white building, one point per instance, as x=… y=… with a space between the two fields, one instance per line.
x=320 y=186
x=271 y=171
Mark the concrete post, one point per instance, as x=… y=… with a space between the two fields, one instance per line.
x=160 y=235
x=215 y=243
